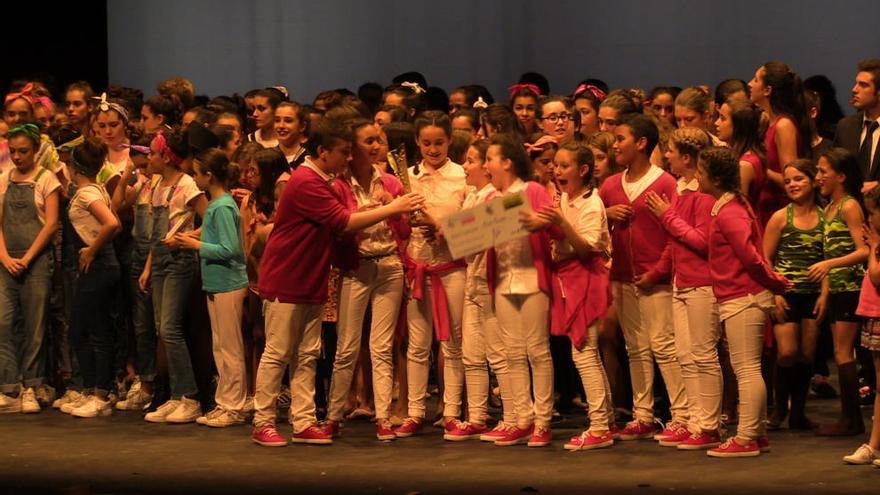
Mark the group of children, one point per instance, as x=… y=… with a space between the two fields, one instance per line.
x=702 y=230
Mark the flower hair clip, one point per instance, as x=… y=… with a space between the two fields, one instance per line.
x=104 y=105
x=481 y=104
x=414 y=87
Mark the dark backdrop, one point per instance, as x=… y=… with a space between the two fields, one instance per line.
x=54 y=42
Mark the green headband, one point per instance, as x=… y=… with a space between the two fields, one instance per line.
x=31 y=130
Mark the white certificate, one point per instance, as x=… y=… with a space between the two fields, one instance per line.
x=483 y=226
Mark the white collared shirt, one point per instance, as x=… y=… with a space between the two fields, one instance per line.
x=308 y=163
x=586 y=213
x=682 y=186
x=516 y=265
x=876 y=138
x=444 y=190
x=634 y=189
x=476 y=269
x=375 y=240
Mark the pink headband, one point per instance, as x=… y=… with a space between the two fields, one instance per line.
x=540 y=143
x=598 y=93
x=517 y=87
x=27 y=95
x=162 y=147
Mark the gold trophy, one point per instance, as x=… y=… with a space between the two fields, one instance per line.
x=398 y=163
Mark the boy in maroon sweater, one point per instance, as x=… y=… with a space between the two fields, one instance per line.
x=293 y=279
x=643 y=303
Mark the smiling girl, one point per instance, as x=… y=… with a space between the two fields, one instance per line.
x=291 y=129
x=793 y=243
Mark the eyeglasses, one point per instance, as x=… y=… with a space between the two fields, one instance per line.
x=556 y=117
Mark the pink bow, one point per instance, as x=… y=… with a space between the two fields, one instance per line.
x=531 y=87
x=598 y=93
x=27 y=95
x=539 y=144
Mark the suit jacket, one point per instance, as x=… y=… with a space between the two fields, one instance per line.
x=848 y=135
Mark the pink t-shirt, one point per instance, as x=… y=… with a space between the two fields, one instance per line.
x=869 y=299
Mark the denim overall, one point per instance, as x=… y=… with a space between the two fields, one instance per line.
x=24 y=298
x=92 y=334
x=142 y=307
x=172 y=276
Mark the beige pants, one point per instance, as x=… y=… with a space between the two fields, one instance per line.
x=697 y=331
x=378 y=282
x=225 y=311
x=481 y=343
x=523 y=319
x=293 y=334
x=744 y=327
x=646 y=320
x=421 y=335
x=589 y=365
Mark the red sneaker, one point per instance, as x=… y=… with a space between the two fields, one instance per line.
x=700 y=441
x=677 y=433
x=464 y=431
x=764 y=444
x=313 y=435
x=496 y=433
x=267 y=436
x=614 y=430
x=672 y=429
x=330 y=428
x=541 y=437
x=384 y=431
x=515 y=435
x=636 y=430
x=410 y=427
x=588 y=441
x=730 y=448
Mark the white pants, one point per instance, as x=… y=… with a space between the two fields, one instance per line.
x=225 y=311
x=481 y=343
x=697 y=331
x=524 y=329
x=421 y=335
x=293 y=334
x=589 y=365
x=646 y=320
x=380 y=282
x=744 y=326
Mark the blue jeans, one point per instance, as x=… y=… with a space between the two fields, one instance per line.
x=25 y=297
x=93 y=335
x=171 y=279
x=142 y=317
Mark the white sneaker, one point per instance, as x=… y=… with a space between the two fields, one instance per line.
x=863 y=455
x=9 y=404
x=203 y=420
x=29 y=402
x=224 y=418
x=45 y=395
x=69 y=396
x=71 y=406
x=136 y=399
x=160 y=414
x=187 y=412
x=93 y=408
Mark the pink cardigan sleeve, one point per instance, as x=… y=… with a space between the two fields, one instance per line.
x=741 y=234
x=695 y=237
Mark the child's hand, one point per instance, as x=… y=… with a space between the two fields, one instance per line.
x=551 y=215
x=657 y=204
x=188 y=241
x=871 y=237
x=818 y=271
x=619 y=213
x=778 y=312
x=532 y=221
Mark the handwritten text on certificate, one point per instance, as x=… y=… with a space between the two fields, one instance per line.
x=483 y=226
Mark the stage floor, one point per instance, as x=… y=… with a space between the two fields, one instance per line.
x=54 y=453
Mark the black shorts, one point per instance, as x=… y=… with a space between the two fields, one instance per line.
x=800 y=307
x=842 y=306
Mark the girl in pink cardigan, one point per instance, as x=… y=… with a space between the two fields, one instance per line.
x=744 y=284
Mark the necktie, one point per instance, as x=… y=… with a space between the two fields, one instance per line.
x=865 y=150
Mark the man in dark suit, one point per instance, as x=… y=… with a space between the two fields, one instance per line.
x=859 y=133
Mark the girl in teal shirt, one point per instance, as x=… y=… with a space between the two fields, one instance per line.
x=225 y=281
